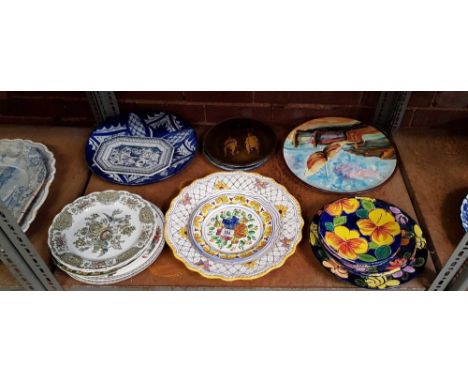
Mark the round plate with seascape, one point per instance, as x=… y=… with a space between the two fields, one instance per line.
x=239 y=144
x=464 y=213
x=133 y=268
x=238 y=182
x=102 y=231
x=141 y=148
x=406 y=265
x=234 y=227
x=339 y=155
x=361 y=231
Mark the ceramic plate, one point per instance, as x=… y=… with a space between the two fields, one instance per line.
x=182 y=207
x=234 y=168
x=234 y=227
x=464 y=213
x=133 y=268
x=22 y=174
x=239 y=143
x=39 y=199
x=102 y=231
x=407 y=264
x=339 y=155
x=141 y=148
x=361 y=232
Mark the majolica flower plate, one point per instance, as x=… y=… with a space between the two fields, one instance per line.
x=464 y=213
x=406 y=265
x=133 y=268
x=102 y=231
x=234 y=227
x=183 y=206
x=141 y=148
x=339 y=155
x=361 y=232
x=239 y=144
x=22 y=175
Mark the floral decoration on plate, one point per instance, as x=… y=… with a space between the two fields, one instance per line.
x=408 y=262
x=464 y=213
x=234 y=227
x=102 y=231
x=189 y=200
x=361 y=230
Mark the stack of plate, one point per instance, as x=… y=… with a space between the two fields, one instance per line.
x=106 y=237
x=233 y=225
x=141 y=148
x=368 y=242
x=239 y=144
x=27 y=170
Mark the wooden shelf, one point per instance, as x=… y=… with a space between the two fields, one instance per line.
x=435 y=162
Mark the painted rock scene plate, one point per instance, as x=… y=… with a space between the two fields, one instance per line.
x=239 y=144
x=339 y=155
x=201 y=197
x=141 y=148
x=234 y=227
x=407 y=264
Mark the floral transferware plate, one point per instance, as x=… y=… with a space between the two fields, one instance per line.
x=39 y=199
x=464 y=213
x=234 y=227
x=182 y=207
x=22 y=175
x=133 y=268
x=102 y=231
x=239 y=144
x=339 y=155
x=361 y=231
x=141 y=148
x=407 y=264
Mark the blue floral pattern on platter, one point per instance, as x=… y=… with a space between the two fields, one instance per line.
x=141 y=148
x=464 y=213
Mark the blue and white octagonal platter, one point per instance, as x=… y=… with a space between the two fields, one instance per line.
x=141 y=148
x=464 y=213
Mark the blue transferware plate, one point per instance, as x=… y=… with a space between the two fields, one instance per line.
x=464 y=213
x=141 y=148
x=407 y=264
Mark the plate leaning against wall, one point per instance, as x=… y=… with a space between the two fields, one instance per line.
x=233 y=225
x=141 y=148
x=27 y=170
x=339 y=155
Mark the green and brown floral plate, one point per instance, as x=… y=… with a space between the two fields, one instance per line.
x=102 y=231
x=408 y=262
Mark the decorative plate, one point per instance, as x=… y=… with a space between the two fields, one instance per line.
x=182 y=207
x=22 y=174
x=361 y=231
x=141 y=148
x=39 y=199
x=234 y=227
x=133 y=268
x=239 y=143
x=339 y=155
x=408 y=263
x=464 y=213
x=102 y=231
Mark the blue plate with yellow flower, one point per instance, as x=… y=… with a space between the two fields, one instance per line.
x=362 y=232
x=407 y=263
